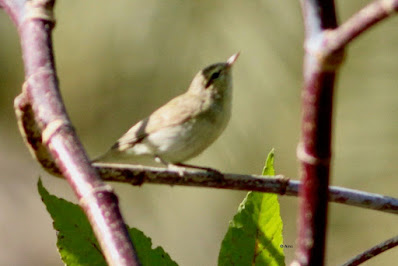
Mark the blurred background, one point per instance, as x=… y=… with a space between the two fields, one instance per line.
x=118 y=61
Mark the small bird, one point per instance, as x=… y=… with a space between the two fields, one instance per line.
x=185 y=126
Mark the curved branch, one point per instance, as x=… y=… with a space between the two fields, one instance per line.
x=372 y=252
x=41 y=100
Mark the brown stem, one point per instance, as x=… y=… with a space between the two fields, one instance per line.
x=41 y=97
x=324 y=44
x=314 y=150
x=137 y=175
x=372 y=252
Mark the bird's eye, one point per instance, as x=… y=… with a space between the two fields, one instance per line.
x=212 y=78
x=215 y=75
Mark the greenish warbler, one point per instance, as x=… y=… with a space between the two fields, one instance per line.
x=185 y=126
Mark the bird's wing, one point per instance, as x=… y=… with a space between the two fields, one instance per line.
x=176 y=111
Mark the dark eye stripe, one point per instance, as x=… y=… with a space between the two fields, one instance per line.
x=215 y=75
x=208 y=83
x=208 y=71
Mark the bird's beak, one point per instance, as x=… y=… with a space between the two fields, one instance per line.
x=232 y=59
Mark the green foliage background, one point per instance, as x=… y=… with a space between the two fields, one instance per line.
x=119 y=60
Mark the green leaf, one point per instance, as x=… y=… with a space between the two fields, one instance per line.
x=76 y=242
x=146 y=254
x=269 y=164
x=254 y=235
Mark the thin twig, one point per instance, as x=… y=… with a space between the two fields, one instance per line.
x=137 y=175
x=372 y=252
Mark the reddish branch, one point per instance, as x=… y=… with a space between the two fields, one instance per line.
x=359 y=23
x=41 y=99
x=34 y=20
x=324 y=44
x=314 y=151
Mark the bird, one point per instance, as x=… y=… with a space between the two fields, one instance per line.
x=185 y=126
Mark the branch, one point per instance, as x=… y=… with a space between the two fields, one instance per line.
x=314 y=150
x=137 y=175
x=324 y=44
x=41 y=100
x=359 y=23
x=372 y=252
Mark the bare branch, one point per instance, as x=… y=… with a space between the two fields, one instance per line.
x=324 y=44
x=372 y=252
x=360 y=22
x=324 y=53
x=40 y=99
x=137 y=175
x=314 y=150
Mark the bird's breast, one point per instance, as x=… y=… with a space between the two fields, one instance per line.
x=181 y=142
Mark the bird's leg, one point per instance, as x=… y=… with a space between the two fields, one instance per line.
x=207 y=169
x=178 y=166
x=170 y=165
x=217 y=174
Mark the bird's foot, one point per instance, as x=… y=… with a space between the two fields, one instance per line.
x=180 y=167
x=217 y=174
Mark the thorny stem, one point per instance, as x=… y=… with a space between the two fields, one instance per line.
x=41 y=96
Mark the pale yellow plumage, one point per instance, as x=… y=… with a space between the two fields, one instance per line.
x=186 y=125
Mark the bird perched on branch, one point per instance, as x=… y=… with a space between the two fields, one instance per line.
x=186 y=125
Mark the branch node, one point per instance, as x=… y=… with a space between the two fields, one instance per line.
x=321 y=47
x=52 y=128
x=87 y=198
x=31 y=134
x=46 y=69
x=40 y=9
x=307 y=158
x=284 y=181
x=389 y=6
